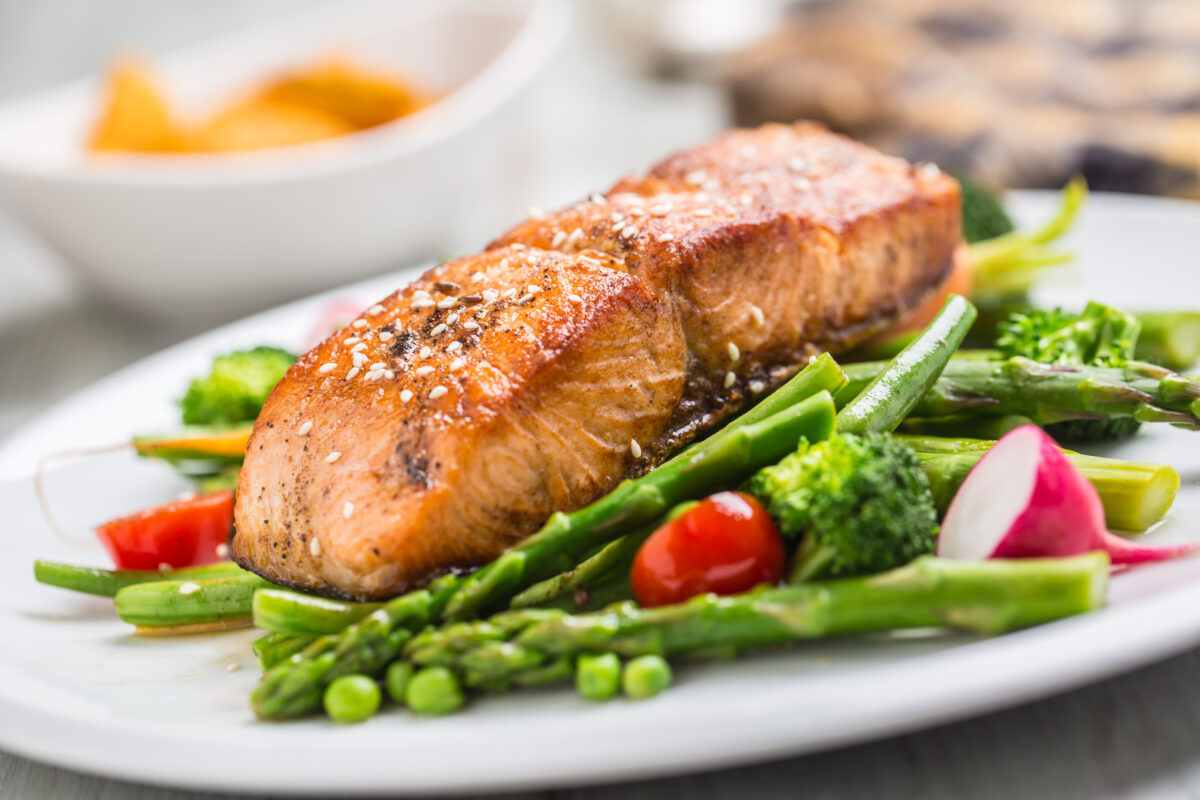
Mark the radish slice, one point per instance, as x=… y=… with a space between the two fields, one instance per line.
x=1024 y=499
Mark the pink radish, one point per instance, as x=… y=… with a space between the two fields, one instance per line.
x=1024 y=499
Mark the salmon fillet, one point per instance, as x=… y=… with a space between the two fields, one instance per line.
x=451 y=419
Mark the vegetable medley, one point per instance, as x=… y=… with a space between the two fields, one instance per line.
x=815 y=513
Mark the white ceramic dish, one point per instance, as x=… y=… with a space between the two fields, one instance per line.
x=208 y=237
x=77 y=689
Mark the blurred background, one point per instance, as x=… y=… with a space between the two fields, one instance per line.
x=134 y=214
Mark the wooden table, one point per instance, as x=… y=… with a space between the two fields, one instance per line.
x=1133 y=736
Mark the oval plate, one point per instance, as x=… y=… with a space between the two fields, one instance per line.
x=77 y=689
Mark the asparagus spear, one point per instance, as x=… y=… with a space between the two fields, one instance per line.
x=274 y=647
x=294 y=688
x=1135 y=495
x=988 y=597
x=1170 y=338
x=887 y=398
x=285 y=611
x=189 y=603
x=107 y=582
x=1048 y=393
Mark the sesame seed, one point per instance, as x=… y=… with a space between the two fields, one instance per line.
x=359 y=358
x=618 y=227
x=389 y=374
x=695 y=177
x=233 y=668
x=438 y=329
x=447 y=302
x=304 y=428
x=405 y=395
x=617 y=217
x=507 y=293
x=446 y=287
x=575 y=236
x=730 y=379
x=802 y=185
x=470 y=325
x=436 y=392
x=361 y=323
x=702 y=212
x=423 y=303
x=734 y=353
x=635 y=448
x=358 y=347
x=453 y=318
x=504 y=263
x=597 y=198
x=425 y=351
x=352 y=340
x=517 y=246
x=386 y=336
x=745 y=199
x=478 y=276
x=797 y=164
x=353 y=371
x=574 y=298
x=667 y=237
x=423 y=371
x=189 y=588
x=757 y=386
x=558 y=239
x=490 y=295
x=332 y=457
x=929 y=170
x=348 y=510
x=375 y=309
x=457 y=364
x=314 y=547
x=222 y=551
x=629 y=232
x=536 y=213
x=470 y=299
x=700 y=197
x=756 y=314
x=523 y=299
x=328 y=366
x=812 y=359
x=373 y=375
x=379 y=365
x=749 y=151
x=421 y=294
x=454 y=347
x=661 y=210
x=533 y=288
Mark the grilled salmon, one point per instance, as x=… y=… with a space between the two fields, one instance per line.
x=581 y=347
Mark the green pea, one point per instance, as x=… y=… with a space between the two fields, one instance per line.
x=396 y=680
x=645 y=676
x=352 y=698
x=434 y=690
x=598 y=677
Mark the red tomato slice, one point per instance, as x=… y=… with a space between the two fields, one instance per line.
x=726 y=545
x=183 y=533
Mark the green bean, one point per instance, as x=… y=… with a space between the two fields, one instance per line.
x=107 y=582
x=175 y=604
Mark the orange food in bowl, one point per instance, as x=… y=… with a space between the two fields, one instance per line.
x=331 y=98
x=135 y=116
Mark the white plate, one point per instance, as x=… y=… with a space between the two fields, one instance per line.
x=77 y=689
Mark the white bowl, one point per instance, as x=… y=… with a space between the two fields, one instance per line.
x=202 y=237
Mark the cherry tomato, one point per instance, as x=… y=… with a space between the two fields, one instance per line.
x=726 y=544
x=183 y=533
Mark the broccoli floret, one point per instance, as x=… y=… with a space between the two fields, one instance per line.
x=983 y=215
x=236 y=387
x=1102 y=336
x=857 y=505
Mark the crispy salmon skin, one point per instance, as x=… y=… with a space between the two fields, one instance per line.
x=452 y=418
